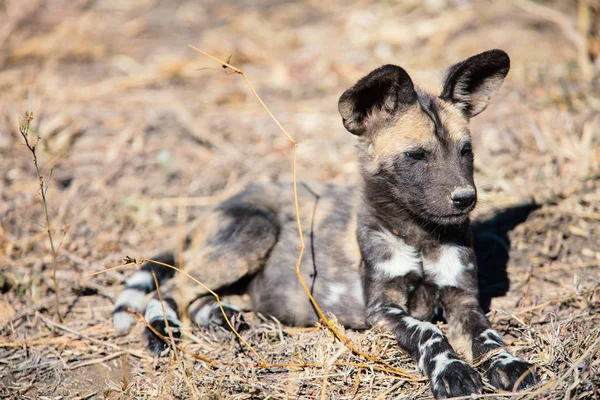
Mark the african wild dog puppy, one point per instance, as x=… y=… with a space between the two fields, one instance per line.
x=389 y=253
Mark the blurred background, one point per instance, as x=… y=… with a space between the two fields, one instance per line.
x=135 y=125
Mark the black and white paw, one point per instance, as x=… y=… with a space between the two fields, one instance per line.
x=235 y=317
x=211 y=315
x=453 y=377
x=155 y=343
x=507 y=371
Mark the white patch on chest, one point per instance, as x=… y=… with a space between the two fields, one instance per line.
x=449 y=266
x=405 y=258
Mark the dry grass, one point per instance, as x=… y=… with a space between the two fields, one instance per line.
x=136 y=133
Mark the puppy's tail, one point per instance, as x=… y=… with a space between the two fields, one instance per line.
x=137 y=286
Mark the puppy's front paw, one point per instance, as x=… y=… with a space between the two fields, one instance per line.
x=507 y=370
x=453 y=377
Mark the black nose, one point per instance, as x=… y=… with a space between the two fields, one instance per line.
x=463 y=198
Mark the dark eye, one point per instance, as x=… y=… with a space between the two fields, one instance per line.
x=416 y=155
x=466 y=150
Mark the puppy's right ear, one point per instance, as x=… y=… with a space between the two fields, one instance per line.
x=376 y=98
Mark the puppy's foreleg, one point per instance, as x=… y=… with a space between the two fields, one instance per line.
x=471 y=332
x=391 y=271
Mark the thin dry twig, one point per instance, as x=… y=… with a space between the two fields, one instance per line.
x=24 y=125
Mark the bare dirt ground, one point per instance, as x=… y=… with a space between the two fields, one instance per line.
x=135 y=129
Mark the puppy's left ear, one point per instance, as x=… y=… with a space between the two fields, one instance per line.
x=471 y=83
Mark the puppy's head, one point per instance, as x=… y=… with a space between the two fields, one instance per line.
x=415 y=147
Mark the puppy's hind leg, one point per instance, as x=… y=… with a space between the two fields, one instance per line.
x=137 y=286
x=230 y=245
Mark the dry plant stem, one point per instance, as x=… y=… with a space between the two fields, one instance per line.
x=324 y=386
x=294 y=143
x=179 y=361
x=127 y=264
x=478 y=361
x=24 y=124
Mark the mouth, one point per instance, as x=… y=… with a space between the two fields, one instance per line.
x=449 y=219
x=454 y=217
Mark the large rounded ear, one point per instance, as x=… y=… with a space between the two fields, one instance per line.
x=376 y=98
x=473 y=82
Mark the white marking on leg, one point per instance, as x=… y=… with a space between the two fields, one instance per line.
x=421 y=326
x=429 y=342
x=424 y=349
x=122 y=321
x=504 y=358
x=405 y=258
x=449 y=267
x=394 y=311
x=132 y=298
x=442 y=361
x=491 y=337
x=202 y=317
x=141 y=279
x=154 y=311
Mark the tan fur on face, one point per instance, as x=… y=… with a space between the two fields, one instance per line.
x=413 y=128
x=454 y=121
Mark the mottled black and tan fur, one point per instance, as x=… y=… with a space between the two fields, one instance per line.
x=390 y=252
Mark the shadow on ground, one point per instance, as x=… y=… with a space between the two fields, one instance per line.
x=492 y=248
